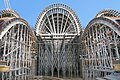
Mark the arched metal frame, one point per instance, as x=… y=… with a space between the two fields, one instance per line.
x=57 y=28
x=54 y=15
x=16 y=47
x=101 y=45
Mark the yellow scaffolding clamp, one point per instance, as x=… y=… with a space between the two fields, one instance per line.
x=116 y=65
x=4 y=67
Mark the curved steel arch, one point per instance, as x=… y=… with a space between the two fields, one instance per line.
x=10 y=23
x=104 y=20
x=4 y=13
x=57 y=7
x=101 y=40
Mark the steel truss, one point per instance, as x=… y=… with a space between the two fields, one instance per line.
x=16 y=45
x=101 y=45
x=58 y=32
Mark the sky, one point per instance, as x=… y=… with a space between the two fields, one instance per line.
x=84 y=9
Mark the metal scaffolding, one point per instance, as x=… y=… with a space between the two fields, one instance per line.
x=58 y=31
x=101 y=45
x=16 y=45
x=59 y=47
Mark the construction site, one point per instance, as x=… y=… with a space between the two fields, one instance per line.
x=58 y=48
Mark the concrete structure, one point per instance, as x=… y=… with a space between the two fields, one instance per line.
x=59 y=47
x=101 y=45
x=58 y=32
x=16 y=45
